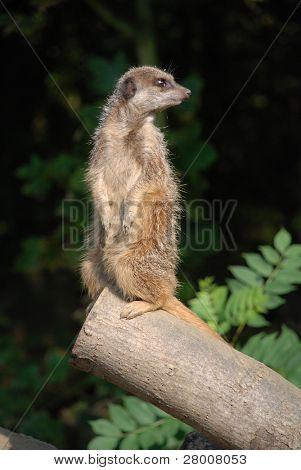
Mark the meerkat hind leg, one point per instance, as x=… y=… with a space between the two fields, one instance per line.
x=136 y=308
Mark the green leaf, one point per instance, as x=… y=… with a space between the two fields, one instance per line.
x=289 y=276
x=244 y=305
x=258 y=264
x=256 y=320
x=141 y=411
x=234 y=284
x=274 y=301
x=219 y=297
x=232 y=309
x=270 y=254
x=170 y=427
x=278 y=287
x=224 y=327
x=206 y=284
x=130 y=442
x=245 y=275
x=121 y=418
x=103 y=443
x=259 y=300
x=104 y=427
x=160 y=413
x=292 y=262
x=255 y=345
x=282 y=240
x=280 y=352
x=148 y=438
x=196 y=306
x=172 y=443
x=294 y=250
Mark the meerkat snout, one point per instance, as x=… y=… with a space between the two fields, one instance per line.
x=179 y=94
x=184 y=93
x=187 y=94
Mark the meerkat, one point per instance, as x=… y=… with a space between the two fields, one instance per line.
x=133 y=240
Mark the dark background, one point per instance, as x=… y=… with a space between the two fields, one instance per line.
x=253 y=157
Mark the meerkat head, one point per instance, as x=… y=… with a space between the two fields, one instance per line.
x=150 y=89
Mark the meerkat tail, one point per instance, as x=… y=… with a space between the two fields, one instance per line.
x=176 y=308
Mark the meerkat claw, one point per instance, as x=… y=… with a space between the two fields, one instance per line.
x=135 y=309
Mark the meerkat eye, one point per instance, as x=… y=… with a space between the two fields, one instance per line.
x=162 y=82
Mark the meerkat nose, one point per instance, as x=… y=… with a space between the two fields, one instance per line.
x=187 y=93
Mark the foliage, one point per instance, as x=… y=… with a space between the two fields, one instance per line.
x=137 y=425
x=281 y=352
x=255 y=288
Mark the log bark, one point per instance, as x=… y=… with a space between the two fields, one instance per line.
x=15 y=441
x=232 y=399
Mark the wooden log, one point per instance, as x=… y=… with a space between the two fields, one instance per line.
x=232 y=399
x=15 y=441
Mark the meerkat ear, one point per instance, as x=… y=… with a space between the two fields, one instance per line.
x=128 y=88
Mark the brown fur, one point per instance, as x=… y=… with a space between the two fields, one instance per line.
x=133 y=241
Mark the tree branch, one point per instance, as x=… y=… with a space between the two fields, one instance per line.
x=14 y=441
x=233 y=400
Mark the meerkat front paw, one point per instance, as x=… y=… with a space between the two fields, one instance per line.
x=129 y=216
x=126 y=227
x=136 y=308
x=127 y=223
x=111 y=226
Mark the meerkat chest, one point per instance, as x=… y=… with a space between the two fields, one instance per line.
x=121 y=171
x=127 y=158
x=151 y=140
